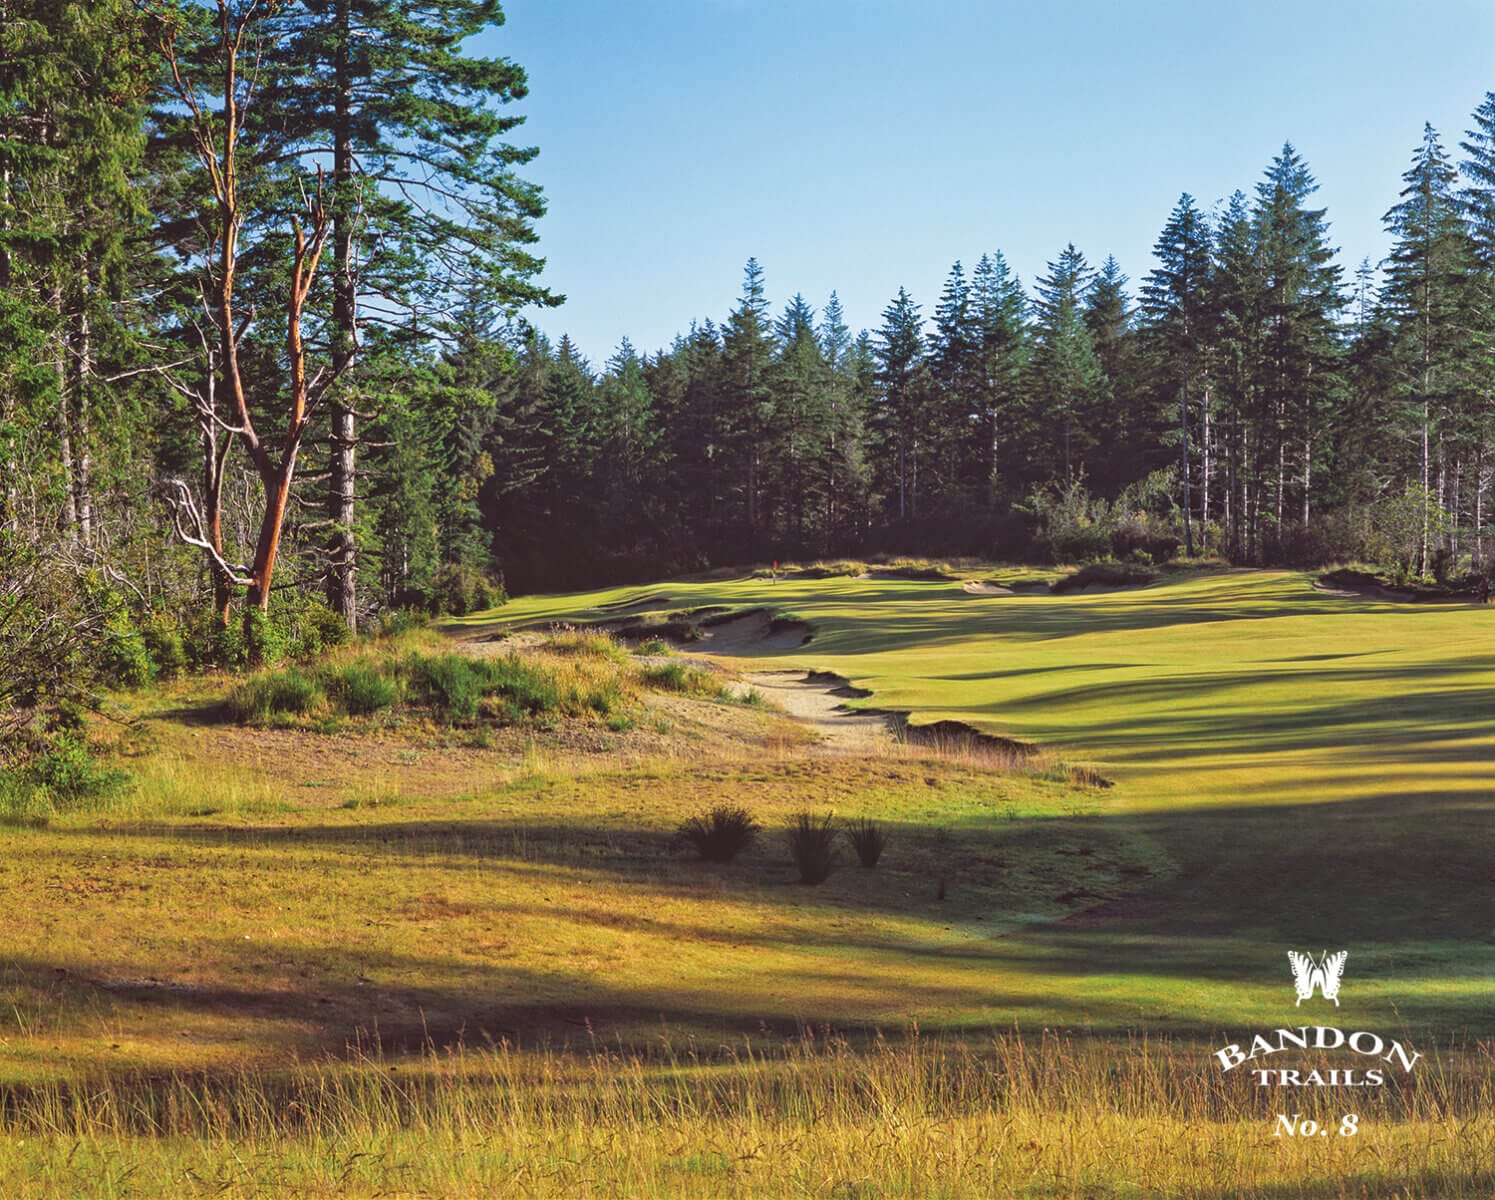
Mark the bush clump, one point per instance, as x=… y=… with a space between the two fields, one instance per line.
x=360 y=688
x=166 y=646
x=396 y=622
x=458 y=589
x=812 y=846
x=687 y=680
x=124 y=656
x=722 y=834
x=449 y=683
x=263 y=698
x=868 y=839
x=449 y=687
x=313 y=627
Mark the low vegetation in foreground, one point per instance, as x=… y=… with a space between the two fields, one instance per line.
x=376 y=923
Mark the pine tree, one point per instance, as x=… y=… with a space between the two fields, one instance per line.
x=1478 y=169
x=1237 y=288
x=73 y=78
x=1428 y=288
x=1175 y=305
x=895 y=416
x=800 y=435
x=848 y=367
x=954 y=420
x=1066 y=385
x=1108 y=316
x=747 y=353
x=1297 y=368
x=1001 y=311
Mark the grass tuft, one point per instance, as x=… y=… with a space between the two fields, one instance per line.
x=868 y=839
x=722 y=834
x=812 y=846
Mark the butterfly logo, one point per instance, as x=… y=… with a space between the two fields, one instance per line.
x=1321 y=975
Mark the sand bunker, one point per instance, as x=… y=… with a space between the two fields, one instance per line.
x=819 y=701
x=749 y=633
x=1377 y=591
x=653 y=600
x=985 y=587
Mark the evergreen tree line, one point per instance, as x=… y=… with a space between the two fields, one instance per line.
x=1246 y=401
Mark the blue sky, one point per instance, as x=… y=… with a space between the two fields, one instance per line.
x=866 y=144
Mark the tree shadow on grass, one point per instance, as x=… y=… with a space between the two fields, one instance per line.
x=1407 y=890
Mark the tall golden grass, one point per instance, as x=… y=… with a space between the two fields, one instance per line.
x=1011 y=1115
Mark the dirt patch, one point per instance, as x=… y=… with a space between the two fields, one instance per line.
x=985 y=587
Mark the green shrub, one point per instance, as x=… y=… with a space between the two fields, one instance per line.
x=359 y=688
x=527 y=685
x=271 y=694
x=868 y=839
x=124 y=659
x=72 y=774
x=209 y=643
x=398 y=621
x=59 y=773
x=688 y=680
x=166 y=646
x=264 y=638
x=449 y=683
x=722 y=834
x=459 y=589
x=653 y=647
x=313 y=627
x=812 y=846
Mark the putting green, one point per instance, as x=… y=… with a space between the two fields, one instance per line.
x=1318 y=768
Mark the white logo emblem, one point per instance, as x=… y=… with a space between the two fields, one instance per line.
x=1322 y=975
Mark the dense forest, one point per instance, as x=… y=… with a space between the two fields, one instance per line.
x=264 y=372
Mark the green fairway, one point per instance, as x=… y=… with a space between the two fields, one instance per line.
x=1316 y=769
